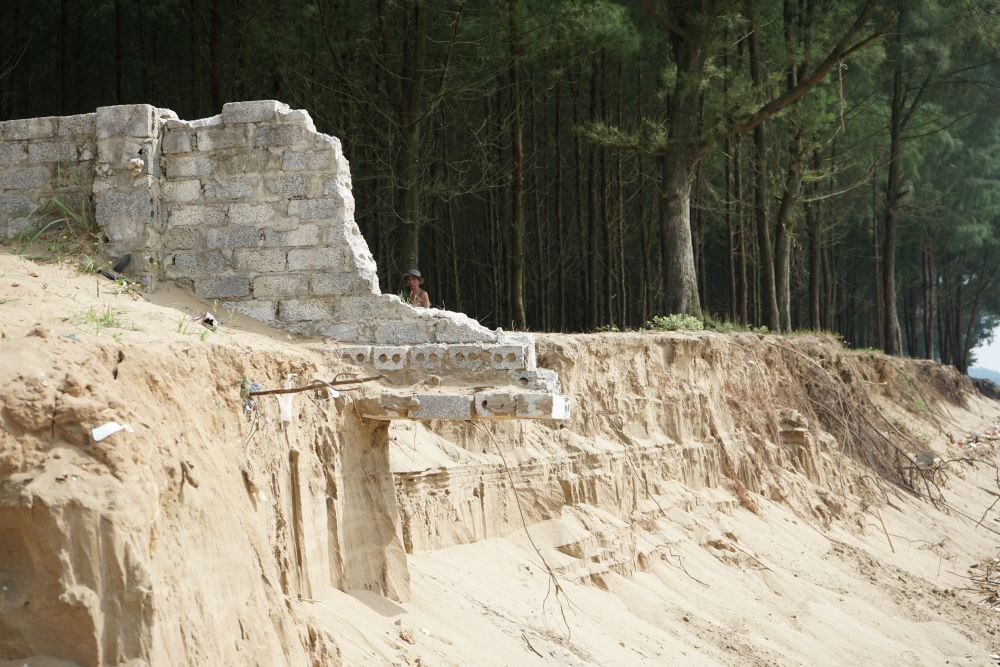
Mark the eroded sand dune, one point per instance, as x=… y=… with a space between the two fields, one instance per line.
x=714 y=499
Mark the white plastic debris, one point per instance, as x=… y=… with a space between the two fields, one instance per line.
x=285 y=402
x=425 y=631
x=101 y=432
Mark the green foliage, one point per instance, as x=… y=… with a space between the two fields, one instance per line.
x=677 y=322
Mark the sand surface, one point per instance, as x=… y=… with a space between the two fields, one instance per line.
x=701 y=507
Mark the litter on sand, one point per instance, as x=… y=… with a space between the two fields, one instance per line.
x=101 y=432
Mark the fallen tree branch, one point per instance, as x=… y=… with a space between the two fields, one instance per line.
x=315 y=385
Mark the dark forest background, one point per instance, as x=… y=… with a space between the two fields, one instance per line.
x=572 y=165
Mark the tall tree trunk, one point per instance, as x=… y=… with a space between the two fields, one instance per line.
x=408 y=102
x=879 y=303
x=768 y=296
x=593 y=250
x=675 y=227
x=815 y=253
x=560 y=234
x=783 y=234
x=928 y=275
x=517 y=171
x=893 y=196
x=215 y=55
x=119 y=54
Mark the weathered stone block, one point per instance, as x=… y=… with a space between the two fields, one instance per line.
x=29 y=128
x=188 y=264
x=296 y=310
x=177 y=141
x=196 y=215
x=218 y=287
x=52 y=151
x=181 y=166
x=216 y=138
x=402 y=333
x=428 y=357
x=246 y=161
x=542 y=406
x=24 y=179
x=246 y=213
x=289 y=185
x=341 y=283
x=240 y=187
x=359 y=355
x=11 y=202
x=495 y=403
x=442 y=406
x=232 y=237
x=467 y=357
x=84 y=124
x=279 y=135
x=342 y=331
x=125 y=215
x=264 y=311
x=520 y=339
x=13 y=152
x=183 y=238
x=317 y=209
x=458 y=328
x=304 y=235
x=507 y=357
x=306 y=160
x=182 y=191
x=297 y=117
x=315 y=258
x=389 y=358
x=539 y=379
x=127 y=120
x=259 y=261
x=280 y=286
x=257 y=111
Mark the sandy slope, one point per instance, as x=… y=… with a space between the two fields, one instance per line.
x=199 y=540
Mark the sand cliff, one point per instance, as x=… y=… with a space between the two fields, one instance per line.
x=714 y=499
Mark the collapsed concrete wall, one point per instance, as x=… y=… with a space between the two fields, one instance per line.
x=253 y=208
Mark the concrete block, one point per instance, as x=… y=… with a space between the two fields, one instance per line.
x=280 y=135
x=246 y=161
x=11 y=202
x=233 y=237
x=25 y=179
x=246 y=213
x=368 y=308
x=217 y=138
x=219 y=287
x=181 y=166
x=427 y=357
x=342 y=283
x=282 y=286
x=315 y=258
x=196 y=215
x=52 y=151
x=304 y=235
x=213 y=261
x=127 y=120
x=389 y=358
x=183 y=238
x=180 y=265
x=495 y=403
x=187 y=190
x=289 y=185
x=402 y=333
x=307 y=160
x=317 y=209
x=257 y=111
x=342 y=331
x=13 y=152
x=507 y=357
x=86 y=150
x=240 y=187
x=457 y=328
x=442 y=406
x=539 y=379
x=359 y=355
x=297 y=117
x=177 y=141
x=542 y=406
x=259 y=260
x=125 y=215
x=29 y=128
x=264 y=311
x=84 y=124
x=467 y=357
x=388 y=406
x=522 y=339
x=296 y=310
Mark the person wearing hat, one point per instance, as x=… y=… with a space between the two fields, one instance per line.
x=414 y=294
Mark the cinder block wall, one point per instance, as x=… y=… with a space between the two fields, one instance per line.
x=251 y=208
x=45 y=163
x=258 y=213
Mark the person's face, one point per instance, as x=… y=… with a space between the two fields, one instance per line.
x=412 y=282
